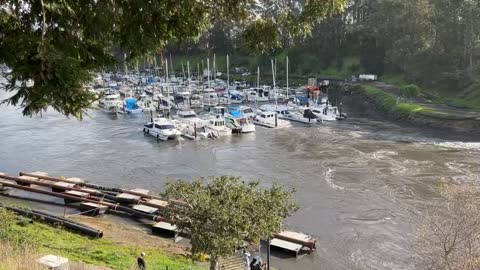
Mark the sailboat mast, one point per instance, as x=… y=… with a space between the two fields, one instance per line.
x=228 y=80
x=214 y=69
x=258 y=85
x=287 y=78
x=171 y=63
x=188 y=79
x=125 y=64
x=208 y=71
x=168 y=91
x=155 y=63
x=273 y=77
x=258 y=76
x=183 y=72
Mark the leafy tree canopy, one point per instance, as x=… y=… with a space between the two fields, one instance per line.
x=56 y=46
x=222 y=213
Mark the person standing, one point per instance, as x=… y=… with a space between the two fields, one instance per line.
x=142 y=265
x=246 y=259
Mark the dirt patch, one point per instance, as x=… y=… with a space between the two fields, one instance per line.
x=123 y=234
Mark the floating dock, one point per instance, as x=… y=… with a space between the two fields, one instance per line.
x=294 y=242
x=92 y=199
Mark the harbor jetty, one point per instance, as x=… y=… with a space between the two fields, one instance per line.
x=94 y=200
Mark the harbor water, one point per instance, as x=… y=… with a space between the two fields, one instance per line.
x=359 y=182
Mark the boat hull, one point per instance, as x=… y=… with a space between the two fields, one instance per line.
x=248 y=128
x=280 y=124
x=300 y=120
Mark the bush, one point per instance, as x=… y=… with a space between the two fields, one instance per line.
x=410 y=91
x=13 y=234
x=389 y=103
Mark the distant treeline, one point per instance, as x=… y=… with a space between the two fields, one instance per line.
x=434 y=43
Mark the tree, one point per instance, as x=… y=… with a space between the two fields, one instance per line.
x=449 y=233
x=54 y=47
x=223 y=213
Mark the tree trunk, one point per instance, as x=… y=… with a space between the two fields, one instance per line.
x=214 y=263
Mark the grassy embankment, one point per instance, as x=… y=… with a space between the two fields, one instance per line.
x=391 y=105
x=468 y=98
x=21 y=245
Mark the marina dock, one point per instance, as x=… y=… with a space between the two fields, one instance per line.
x=93 y=200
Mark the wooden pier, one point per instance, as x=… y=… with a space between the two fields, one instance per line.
x=92 y=199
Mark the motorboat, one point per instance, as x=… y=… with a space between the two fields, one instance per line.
x=326 y=113
x=238 y=122
x=246 y=111
x=216 y=126
x=258 y=94
x=130 y=106
x=270 y=119
x=217 y=110
x=196 y=101
x=224 y=100
x=111 y=104
x=210 y=97
x=300 y=114
x=235 y=97
x=147 y=104
x=162 y=128
x=181 y=100
x=190 y=125
x=165 y=103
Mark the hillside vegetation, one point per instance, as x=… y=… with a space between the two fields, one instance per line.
x=21 y=243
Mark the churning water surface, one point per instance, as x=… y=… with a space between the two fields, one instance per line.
x=359 y=182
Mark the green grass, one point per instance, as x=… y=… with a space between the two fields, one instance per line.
x=394 y=79
x=390 y=104
x=469 y=98
x=99 y=251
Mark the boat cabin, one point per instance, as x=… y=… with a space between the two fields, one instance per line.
x=218 y=122
x=111 y=98
x=186 y=114
x=267 y=115
x=219 y=110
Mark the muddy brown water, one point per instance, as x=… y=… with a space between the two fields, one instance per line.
x=359 y=182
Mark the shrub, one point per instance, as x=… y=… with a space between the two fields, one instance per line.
x=410 y=90
x=13 y=234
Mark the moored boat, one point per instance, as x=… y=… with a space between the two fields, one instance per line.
x=162 y=128
x=270 y=119
x=238 y=122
